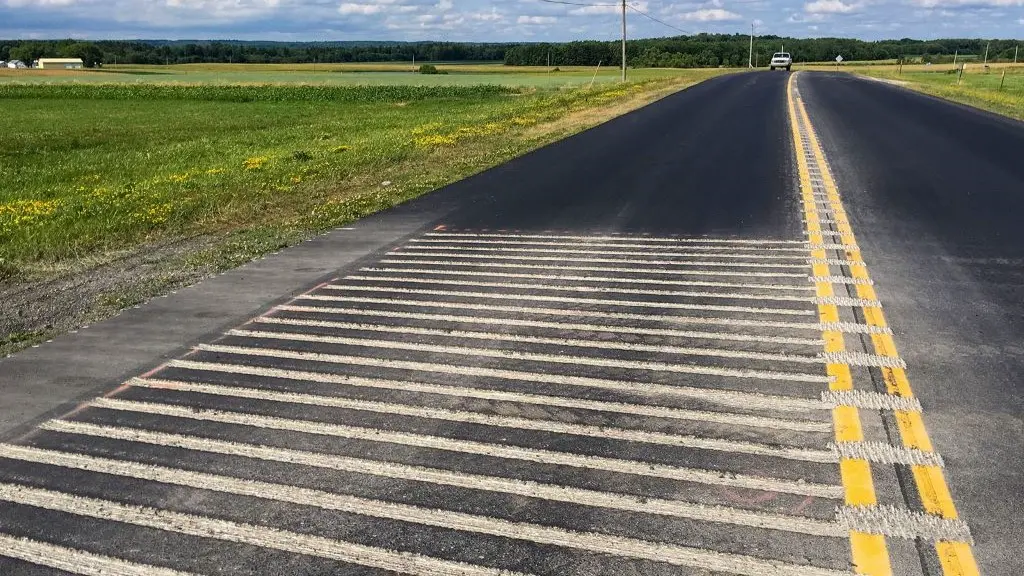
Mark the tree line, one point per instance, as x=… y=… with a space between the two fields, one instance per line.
x=701 y=50
x=196 y=52
x=704 y=50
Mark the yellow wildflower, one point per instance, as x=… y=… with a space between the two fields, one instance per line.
x=435 y=140
x=420 y=130
x=255 y=163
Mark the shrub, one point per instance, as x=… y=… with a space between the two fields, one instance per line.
x=430 y=69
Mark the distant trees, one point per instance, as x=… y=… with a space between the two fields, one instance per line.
x=701 y=50
x=704 y=50
x=27 y=51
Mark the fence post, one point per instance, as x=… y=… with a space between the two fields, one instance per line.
x=961 y=76
x=1001 y=80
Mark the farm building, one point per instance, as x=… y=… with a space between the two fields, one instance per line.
x=16 y=64
x=60 y=63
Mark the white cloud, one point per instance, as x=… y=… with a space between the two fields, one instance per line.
x=800 y=18
x=492 y=16
x=221 y=8
x=364 y=9
x=533 y=20
x=832 y=7
x=966 y=3
x=496 y=20
x=709 y=15
x=40 y=3
x=589 y=10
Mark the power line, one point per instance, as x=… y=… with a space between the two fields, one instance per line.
x=642 y=13
x=630 y=6
x=575 y=3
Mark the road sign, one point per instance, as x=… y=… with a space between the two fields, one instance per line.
x=839 y=58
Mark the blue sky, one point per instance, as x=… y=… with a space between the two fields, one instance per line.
x=501 y=20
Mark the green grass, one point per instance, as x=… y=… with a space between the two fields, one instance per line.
x=337 y=74
x=978 y=87
x=93 y=168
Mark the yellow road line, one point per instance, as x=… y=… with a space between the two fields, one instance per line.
x=869 y=551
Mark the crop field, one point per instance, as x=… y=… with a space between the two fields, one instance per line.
x=95 y=172
x=336 y=74
x=979 y=87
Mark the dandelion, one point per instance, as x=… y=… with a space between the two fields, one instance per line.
x=342 y=148
x=524 y=120
x=421 y=130
x=155 y=215
x=30 y=208
x=215 y=171
x=255 y=163
x=435 y=140
x=179 y=178
x=23 y=213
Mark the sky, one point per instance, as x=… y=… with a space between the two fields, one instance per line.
x=503 y=20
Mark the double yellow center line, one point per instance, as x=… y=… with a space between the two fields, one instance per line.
x=869 y=551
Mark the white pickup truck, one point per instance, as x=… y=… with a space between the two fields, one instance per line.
x=781 y=60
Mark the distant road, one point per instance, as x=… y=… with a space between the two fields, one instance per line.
x=652 y=348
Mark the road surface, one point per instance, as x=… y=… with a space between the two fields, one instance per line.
x=768 y=325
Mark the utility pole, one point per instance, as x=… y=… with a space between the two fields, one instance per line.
x=1015 y=48
x=623 y=40
x=549 y=58
x=955 y=54
x=750 y=58
x=986 y=52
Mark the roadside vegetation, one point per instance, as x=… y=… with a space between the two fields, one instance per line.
x=981 y=87
x=198 y=178
x=360 y=74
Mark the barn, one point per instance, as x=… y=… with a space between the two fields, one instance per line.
x=61 y=63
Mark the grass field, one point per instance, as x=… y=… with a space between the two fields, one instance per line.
x=978 y=87
x=335 y=74
x=94 y=172
x=90 y=167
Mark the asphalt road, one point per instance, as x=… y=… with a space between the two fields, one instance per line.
x=605 y=357
x=935 y=193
